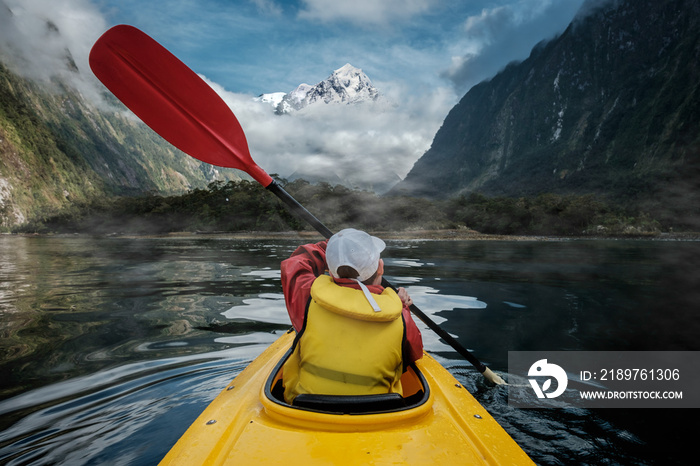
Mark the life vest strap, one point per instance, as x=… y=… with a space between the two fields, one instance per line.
x=343 y=377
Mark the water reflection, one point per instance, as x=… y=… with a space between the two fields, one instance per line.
x=112 y=346
x=118 y=416
x=73 y=306
x=269 y=307
x=432 y=300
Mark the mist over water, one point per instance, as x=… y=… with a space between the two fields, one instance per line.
x=111 y=347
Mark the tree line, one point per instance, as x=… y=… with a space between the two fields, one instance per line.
x=237 y=206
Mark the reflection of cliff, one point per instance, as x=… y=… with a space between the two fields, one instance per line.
x=20 y=312
x=76 y=305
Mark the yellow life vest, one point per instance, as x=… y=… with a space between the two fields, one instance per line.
x=345 y=347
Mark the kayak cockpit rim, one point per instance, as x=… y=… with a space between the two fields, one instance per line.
x=415 y=385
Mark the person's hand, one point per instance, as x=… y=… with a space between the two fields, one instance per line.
x=405 y=298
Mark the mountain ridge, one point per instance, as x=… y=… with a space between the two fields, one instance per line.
x=610 y=106
x=59 y=150
x=346 y=85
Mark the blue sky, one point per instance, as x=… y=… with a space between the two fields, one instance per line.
x=422 y=55
x=256 y=46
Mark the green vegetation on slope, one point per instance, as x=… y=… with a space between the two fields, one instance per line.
x=34 y=162
x=247 y=206
x=58 y=149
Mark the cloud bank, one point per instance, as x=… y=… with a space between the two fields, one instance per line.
x=257 y=44
x=52 y=38
x=372 y=140
x=42 y=39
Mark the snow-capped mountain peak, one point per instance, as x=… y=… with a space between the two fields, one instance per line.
x=273 y=98
x=346 y=85
x=298 y=94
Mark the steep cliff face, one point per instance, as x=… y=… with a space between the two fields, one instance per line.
x=610 y=106
x=63 y=138
x=56 y=148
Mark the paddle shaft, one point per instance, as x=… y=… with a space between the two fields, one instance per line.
x=304 y=214
x=449 y=339
x=298 y=209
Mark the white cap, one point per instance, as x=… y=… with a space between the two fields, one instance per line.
x=356 y=249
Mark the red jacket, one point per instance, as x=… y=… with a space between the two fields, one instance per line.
x=300 y=271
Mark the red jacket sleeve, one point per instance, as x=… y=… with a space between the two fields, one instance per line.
x=297 y=274
x=413 y=345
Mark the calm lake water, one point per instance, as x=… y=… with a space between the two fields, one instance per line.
x=111 y=347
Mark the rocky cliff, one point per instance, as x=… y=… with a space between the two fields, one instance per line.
x=611 y=106
x=57 y=149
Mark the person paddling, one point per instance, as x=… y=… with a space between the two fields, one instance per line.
x=354 y=337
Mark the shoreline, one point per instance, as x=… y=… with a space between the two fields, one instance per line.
x=449 y=235
x=407 y=235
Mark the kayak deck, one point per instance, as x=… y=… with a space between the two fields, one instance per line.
x=248 y=424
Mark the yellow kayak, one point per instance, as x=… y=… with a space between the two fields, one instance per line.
x=438 y=422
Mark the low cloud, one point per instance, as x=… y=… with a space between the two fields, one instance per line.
x=43 y=39
x=371 y=141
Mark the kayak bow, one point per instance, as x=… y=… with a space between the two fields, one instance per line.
x=249 y=423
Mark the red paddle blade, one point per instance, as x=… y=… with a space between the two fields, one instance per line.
x=171 y=99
